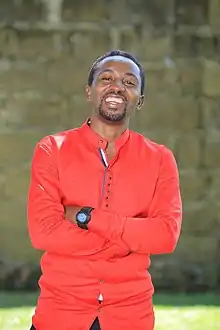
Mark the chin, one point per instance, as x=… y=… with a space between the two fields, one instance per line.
x=112 y=115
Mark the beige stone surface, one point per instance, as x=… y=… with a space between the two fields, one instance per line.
x=43 y=72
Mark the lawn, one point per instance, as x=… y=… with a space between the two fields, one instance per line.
x=173 y=312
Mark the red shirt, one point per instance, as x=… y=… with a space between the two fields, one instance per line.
x=137 y=213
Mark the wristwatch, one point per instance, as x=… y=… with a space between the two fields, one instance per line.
x=84 y=216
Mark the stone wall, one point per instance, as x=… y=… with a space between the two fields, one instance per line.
x=46 y=49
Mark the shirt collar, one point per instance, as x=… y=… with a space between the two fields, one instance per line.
x=98 y=141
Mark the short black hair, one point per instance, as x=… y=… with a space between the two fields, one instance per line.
x=117 y=53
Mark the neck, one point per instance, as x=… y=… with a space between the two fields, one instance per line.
x=109 y=132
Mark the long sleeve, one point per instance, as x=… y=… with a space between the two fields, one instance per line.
x=48 y=229
x=159 y=232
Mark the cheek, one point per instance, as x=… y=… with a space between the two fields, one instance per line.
x=96 y=92
x=94 y=97
x=134 y=97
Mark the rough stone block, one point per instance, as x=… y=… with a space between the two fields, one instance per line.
x=163 y=79
x=89 y=45
x=195 y=185
x=200 y=249
x=154 y=12
x=40 y=45
x=35 y=80
x=120 y=12
x=164 y=110
x=14 y=240
x=15 y=244
x=215 y=189
x=187 y=110
x=50 y=112
x=17 y=179
x=192 y=12
x=210 y=113
x=214 y=13
x=200 y=217
x=28 y=10
x=218 y=210
x=32 y=109
x=2 y=184
x=169 y=78
x=147 y=45
x=17 y=148
x=12 y=113
x=85 y=10
x=21 y=77
x=154 y=80
x=159 y=136
x=158 y=112
x=185 y=45
x=188 y=151
x=193 y=45
x=67 y=77
x=8 y=42
x=207 y=47
x=211 y=79
x=211 y=154
x=12 y=210
x=78 y=110
x=189 y=75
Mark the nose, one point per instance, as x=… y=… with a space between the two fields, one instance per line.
x=117 y=86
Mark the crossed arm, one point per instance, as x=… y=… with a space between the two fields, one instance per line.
x=48 y=229
x=53 y=229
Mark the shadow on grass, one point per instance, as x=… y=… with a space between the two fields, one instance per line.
x=17 y=299
x=24 y=299
x=197 y=299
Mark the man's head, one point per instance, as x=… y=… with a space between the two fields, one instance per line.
x=116 y=86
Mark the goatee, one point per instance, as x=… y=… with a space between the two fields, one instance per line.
x=112 y=114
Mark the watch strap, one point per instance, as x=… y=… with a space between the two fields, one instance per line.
x=86 y=210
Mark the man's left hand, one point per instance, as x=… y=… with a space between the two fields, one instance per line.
x=71 y=212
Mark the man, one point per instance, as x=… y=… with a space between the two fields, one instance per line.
x=102 y=199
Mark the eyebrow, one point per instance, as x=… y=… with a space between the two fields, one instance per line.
x=126 y=74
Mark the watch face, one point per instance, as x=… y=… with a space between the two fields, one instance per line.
x=82 y=217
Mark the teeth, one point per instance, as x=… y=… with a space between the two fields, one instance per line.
x=114 y=99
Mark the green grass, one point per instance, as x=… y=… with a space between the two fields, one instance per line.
x=173 y=312
x=181 y=312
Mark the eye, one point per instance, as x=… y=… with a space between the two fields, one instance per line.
x=106 y=78
x=129 y=82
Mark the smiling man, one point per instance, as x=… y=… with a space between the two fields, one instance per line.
x=102 y=199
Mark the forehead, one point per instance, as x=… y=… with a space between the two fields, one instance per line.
x=119 y=64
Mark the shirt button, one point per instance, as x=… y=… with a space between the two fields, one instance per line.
x=106 y=205
x=101 y=281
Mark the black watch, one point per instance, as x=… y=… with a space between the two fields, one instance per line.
x=84 y=216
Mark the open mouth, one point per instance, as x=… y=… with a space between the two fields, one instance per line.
x=113 y=100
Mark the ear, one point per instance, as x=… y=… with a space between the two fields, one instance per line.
x=140 y=103
x=88 y=93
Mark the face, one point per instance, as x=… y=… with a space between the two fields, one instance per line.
x=116 y=89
